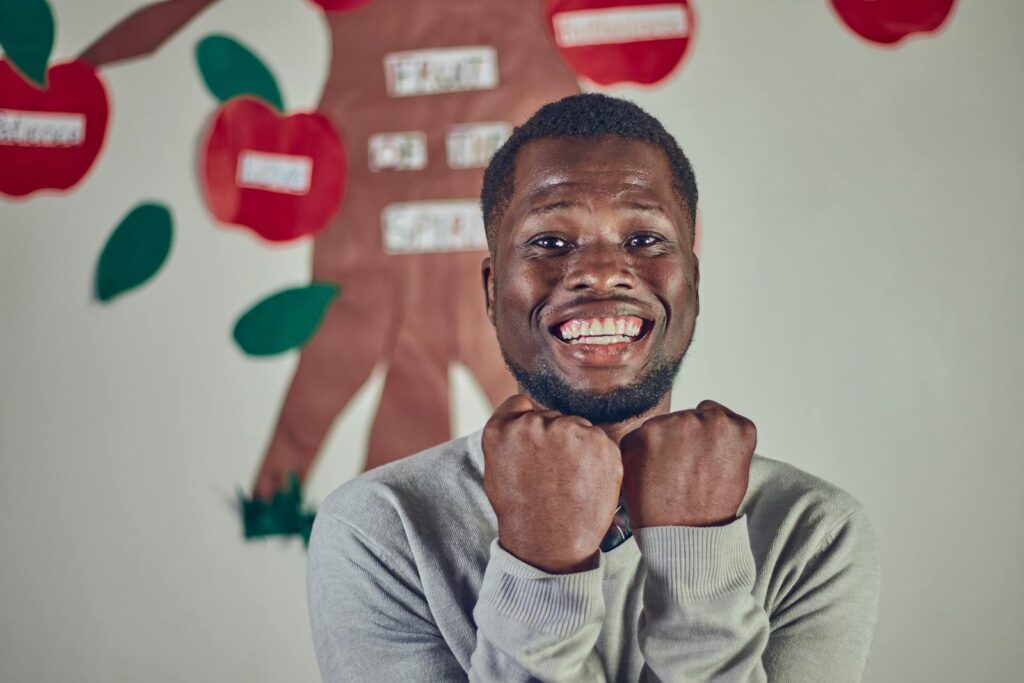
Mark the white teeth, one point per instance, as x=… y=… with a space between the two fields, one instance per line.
x=603 y=340
x=619 y=328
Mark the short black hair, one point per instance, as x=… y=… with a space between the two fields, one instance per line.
x=587 y=115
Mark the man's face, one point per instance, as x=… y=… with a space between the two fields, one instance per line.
x=592 y=285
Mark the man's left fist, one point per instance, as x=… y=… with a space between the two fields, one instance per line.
x=688 y=468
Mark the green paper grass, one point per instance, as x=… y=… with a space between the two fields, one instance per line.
x=230 y=69
x=284 y=515
x=26 y=35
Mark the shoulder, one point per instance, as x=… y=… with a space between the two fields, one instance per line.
x=793 y=513
x=414 y=491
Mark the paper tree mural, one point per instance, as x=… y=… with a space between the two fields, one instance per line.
x=383 y=176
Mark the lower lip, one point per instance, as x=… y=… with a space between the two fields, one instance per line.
x=601 y=355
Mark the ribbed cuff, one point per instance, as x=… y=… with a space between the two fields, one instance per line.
x=558 y=604
x=697 y=563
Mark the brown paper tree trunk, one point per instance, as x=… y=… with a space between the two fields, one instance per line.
x=415 y=313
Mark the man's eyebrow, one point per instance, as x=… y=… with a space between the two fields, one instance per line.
x=651 y=207
x=548 y=207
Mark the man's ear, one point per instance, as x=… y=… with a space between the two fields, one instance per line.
x=696 y=282
x=488 y=282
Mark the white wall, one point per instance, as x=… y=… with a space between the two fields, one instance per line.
x=862 y=213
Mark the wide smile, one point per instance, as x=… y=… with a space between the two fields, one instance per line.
x=601 y=331
x=602 y=340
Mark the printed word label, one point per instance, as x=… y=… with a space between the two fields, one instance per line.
x=285 y=173
x=620 y=25
x=398 y=151
x=41 y=129
x=471 y=145
x=449 y=69
x=433 y=226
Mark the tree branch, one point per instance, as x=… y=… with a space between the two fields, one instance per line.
x=143 y=31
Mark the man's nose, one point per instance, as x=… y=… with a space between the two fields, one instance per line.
x=602 y=268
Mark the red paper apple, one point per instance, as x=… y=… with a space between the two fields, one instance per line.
x=281 y=176
x=341 y=5
x=621 y=41
x=890 y=21
x=50 y=138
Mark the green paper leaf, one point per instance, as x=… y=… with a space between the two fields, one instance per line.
x=285 y=320
x=26 y=35
x=135 y=250
x=230 y=69
x=284 y=515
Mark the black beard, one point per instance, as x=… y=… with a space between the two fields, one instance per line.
x=617 y=405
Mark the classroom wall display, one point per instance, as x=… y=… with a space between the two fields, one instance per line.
x=887 y=22
x=383 y=177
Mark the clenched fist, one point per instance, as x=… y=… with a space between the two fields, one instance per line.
x=553 y=481
x=688 y=468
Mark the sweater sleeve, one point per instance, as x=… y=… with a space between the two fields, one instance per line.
x=532 y=625
x=371 y=621
x=701 y=622
x=826 y=621
x=369 y=618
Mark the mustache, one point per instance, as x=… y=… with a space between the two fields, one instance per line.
x=617 y=298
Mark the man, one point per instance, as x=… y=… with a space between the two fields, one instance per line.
x=588 y=533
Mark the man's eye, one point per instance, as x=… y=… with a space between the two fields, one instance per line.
x=643 y=240
x=550 y=242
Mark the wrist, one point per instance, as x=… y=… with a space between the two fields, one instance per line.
x=553 y=563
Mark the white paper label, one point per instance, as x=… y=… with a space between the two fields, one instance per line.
x=471 y=145
x=449 y=69
x=433 y=226
x=285 y=173
x=398 y=151
x=620 y=25
x=41 y=128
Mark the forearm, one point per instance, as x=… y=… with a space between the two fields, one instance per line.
x=700 y=620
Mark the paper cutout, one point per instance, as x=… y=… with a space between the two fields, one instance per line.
x=887 y=22
x=621 y=41
x=284 y=515
x=404 y=151
x=285 y=320
x=282 y=177
x=441 y=70
x=341 y=5
x=471 y=145
x=135 y=251
x=142 y=32
x=230 y=69
x=26 y=35
x=50 y=138
x=433 y=227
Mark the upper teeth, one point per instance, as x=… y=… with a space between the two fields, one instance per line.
x=596 y=330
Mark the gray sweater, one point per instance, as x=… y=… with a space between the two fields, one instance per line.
x=407 y=582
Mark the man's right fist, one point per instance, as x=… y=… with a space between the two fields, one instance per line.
x=553 y=481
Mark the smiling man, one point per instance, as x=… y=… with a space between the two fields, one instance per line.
x=589 y=533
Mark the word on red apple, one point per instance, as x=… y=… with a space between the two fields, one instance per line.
x=282 y=176
x=50 y=138
x=621 y=41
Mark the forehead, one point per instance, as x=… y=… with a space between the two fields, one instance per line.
x=608 y=166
